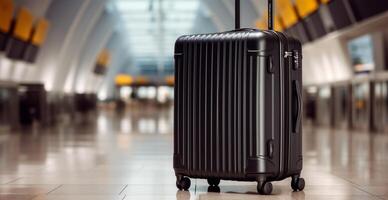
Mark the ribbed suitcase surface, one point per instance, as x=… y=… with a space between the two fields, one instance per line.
x=217 y=114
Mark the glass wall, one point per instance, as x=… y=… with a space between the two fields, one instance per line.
x=341 y=100
x=310 y=95
x=9 y=111
x=381 y=106
x=324 y=106
x=361 y=108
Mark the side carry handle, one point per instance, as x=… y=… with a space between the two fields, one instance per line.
x=296 y=106
x=270 y=14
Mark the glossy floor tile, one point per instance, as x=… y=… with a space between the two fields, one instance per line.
x=129 y=156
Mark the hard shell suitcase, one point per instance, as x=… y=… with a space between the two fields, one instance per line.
x=238 y=107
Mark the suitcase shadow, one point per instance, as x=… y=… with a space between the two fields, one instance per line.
x=215 y=192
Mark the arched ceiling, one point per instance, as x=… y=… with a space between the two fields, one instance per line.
x=152 y=26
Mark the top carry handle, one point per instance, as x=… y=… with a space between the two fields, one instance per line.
x=270 y=14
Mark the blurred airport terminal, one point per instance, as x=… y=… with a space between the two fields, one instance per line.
x=87 y=94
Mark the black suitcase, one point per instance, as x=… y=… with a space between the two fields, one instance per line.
x=238 y=107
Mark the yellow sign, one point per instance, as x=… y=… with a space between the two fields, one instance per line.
x=287 y=13
x=40 y=32
x=170 y=80
x=6 y=12
x=123 y=79
x=141 y=80
x=104 y=58
x=306 y=7
x=23 y=24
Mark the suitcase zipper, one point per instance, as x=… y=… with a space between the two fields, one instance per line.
x=283 y=160
x=285 y=145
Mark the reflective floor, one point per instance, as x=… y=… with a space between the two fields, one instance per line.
x=129 y=156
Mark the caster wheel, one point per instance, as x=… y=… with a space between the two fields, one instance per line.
x=183 y=184
x=214 y=189
x=213 y=181
x=297 y=184
x=265 y=188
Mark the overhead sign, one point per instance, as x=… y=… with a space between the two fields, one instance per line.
x=104 y=58
x=6 y=12
x=123 y=79
x=170 y=80
x=142 y=80
x=23 y=25
x=40 y=32
x=287 y=13
x=306 y=7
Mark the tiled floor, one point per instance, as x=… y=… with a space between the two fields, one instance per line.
x=129 y=156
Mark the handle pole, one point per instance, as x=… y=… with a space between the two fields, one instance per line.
x=270 y=14
x=237 y=13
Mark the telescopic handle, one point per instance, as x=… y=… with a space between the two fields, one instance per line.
x=237 y=13
x=270 y=14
